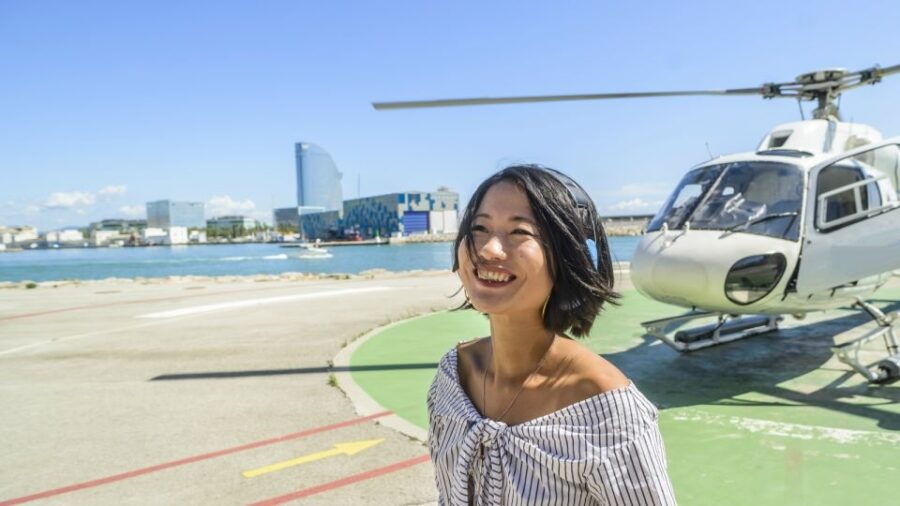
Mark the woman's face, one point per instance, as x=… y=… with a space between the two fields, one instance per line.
x=511 y=274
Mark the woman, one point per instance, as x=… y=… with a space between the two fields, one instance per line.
x=528 y=415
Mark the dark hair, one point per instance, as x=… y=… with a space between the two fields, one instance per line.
x=580 y=286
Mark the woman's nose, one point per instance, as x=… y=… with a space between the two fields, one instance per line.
x=493 y=249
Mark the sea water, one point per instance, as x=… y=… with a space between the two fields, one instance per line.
x=233 y=259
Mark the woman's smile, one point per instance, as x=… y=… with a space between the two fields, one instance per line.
x=493 y=278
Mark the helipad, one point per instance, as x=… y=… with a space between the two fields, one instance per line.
x=774 y=419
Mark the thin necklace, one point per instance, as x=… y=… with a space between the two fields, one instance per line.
x=521 y=388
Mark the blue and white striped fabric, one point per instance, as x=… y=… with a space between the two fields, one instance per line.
x=604 y=450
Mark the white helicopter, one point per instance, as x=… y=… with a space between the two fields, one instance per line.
x=809 y=221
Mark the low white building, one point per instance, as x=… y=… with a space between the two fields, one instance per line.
x=176 y=235
x=104 y=237
x=69 y=235
x=153 y=236
x=23 y=234
x=197 y=236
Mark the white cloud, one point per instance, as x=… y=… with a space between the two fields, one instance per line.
x=113 y=190
x=223 y=205
x=32 y=209
x=636 y=205
x=68 y=200
x=133 y=211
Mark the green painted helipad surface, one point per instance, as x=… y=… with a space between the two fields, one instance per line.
x=770 y=420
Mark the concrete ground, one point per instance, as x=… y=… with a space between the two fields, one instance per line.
x=124 y=393
x=166 y=393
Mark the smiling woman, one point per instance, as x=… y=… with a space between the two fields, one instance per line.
x=528 y=415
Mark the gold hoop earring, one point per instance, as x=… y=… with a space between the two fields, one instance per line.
x=544 y=309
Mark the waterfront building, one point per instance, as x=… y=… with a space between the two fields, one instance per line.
x=318 y=179
x=318 y=189
x=404 y=213
x=176 y=235
x=321 y=225
x=119 y=225
x=18 y=235
x=153 y=236
x=197 y=236
x=286 y=219
x=6 y=235
x=231 y=226
x=101 y=237
x=170 y=213
x=69 y=235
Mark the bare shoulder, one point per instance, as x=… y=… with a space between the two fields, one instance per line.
x=589 y=373
x=470 y=356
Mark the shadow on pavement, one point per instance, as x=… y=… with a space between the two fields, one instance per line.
x=758 y=364
x=302 y=370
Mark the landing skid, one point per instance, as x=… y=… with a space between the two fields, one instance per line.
x=728 y=328
x=731 y=328
x=885 y=369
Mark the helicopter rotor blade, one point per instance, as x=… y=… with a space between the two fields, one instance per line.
x=453 y=102
x=893 y=69
x=872 y=75
x=807 y=88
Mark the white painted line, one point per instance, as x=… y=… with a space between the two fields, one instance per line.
x=79 y=336
x=259 y=302
x=791 y=430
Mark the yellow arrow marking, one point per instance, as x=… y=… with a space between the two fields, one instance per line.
x=339 y=449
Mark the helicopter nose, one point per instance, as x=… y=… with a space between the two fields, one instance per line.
x=666 y=273
x=679 y=277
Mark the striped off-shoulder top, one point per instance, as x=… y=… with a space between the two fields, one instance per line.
x=604 y=450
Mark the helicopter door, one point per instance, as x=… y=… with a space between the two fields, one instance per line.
x=852 y=218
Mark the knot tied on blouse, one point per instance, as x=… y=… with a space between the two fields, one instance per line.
x=489 y=430
x=602 y=450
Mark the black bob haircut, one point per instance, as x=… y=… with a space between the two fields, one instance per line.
x=566 y=218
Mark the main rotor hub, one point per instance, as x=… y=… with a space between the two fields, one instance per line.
x=822 y=76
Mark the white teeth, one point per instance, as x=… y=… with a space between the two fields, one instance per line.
x=493 y=276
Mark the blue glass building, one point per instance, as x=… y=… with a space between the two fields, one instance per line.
x=318 y=180
x=403 y=213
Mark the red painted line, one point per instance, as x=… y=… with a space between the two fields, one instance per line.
x=374 y=473
x=122 y=303
x=189 y=460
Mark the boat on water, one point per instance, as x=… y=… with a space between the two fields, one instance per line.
x=313 y=250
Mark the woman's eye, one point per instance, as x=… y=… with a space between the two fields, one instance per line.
x=520 y=231
x=478 y=228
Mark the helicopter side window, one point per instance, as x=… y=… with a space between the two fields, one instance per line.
x=842 y=204
x=853 y=189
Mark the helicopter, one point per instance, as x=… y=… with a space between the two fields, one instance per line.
x=808 y=221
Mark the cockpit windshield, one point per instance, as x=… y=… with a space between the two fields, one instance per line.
x=753 y=197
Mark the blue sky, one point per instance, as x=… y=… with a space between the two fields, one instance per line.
x=106 y=104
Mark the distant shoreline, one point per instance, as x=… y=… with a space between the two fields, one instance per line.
x=246 y=278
